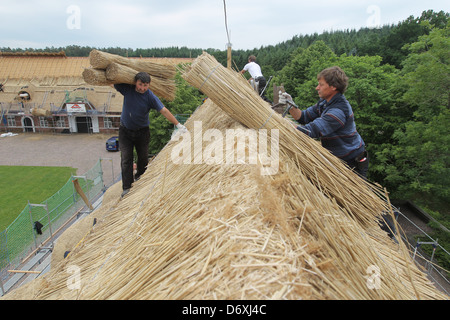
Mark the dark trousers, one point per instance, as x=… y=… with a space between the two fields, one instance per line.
x=261 y=85
x=360 y=164
x=129 y=140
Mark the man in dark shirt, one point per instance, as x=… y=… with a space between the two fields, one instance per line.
x=332 y=121
x=134 y=130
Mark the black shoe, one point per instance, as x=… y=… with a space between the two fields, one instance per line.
x=125 y=191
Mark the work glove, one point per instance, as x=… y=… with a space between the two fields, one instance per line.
x=284 y=97
x=181 y=128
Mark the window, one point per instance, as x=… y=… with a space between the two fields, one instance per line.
x=11 y=121
x=43 y=122
x=60 y=122
x=108 y=123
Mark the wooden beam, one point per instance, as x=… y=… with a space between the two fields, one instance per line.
x=24 y=271
x=81 y=193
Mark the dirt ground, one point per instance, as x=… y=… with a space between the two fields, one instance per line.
x=80 y=151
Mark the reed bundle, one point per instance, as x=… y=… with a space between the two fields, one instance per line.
x=217 y=231
x=101 y=60
x=230 y=91
x=110 y=69
x=96 y=77
x=118 y=73
x=40 y=112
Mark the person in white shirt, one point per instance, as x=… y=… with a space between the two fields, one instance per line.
x=256 y=75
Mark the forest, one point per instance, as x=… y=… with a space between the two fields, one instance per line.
x=398 y=89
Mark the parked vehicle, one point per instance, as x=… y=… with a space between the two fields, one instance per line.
x=112 y=144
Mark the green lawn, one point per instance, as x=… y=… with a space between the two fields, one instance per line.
x=18 y=184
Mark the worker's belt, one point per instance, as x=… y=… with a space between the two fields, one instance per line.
x=260 y=78
x=137 y=130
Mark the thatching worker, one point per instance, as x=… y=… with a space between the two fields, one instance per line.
x=256 y=75
x=332 y=120
x=134 y=129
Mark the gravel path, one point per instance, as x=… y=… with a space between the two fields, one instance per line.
x=80 y=151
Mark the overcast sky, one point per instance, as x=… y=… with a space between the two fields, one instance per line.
x=194 y=23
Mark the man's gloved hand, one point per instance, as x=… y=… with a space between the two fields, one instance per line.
x=284 y=97
x=181 y=128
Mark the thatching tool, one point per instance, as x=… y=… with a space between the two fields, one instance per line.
x=285 y=100
x=290 y=105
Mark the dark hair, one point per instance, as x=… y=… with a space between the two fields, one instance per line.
x=143 y=76
x=252 y=58
x=335 y=77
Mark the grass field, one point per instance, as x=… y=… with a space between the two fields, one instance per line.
x=18 y=184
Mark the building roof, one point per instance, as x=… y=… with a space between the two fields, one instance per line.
x=50 y=75
x=30 y=66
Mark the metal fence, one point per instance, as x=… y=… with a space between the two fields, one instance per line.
x=437 y=274
x=38 y=223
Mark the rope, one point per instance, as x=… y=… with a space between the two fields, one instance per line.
x=271 y=114
x=210 y=74
x=226 y=24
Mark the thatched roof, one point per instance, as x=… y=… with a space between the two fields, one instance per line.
x=227 y=232
x=194 y=229
x=29 y=66
x=53 y=75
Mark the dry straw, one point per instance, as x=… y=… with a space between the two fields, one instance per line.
x=162 y=87
x=101 y=60
x=232 y=94
x=96 y=77
x=110 y=69
x=224 y=231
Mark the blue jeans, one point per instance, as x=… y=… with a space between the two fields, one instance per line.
x=128 y=141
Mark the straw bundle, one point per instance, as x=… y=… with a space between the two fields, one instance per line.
x=118 y=73
x=109 y=69
x=96 y=77
x=199 y=231
x=231 y=93
x=101 y=60
x=40 y=112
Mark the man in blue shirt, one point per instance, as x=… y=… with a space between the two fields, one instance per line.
x=134 y=130
x=332 y=121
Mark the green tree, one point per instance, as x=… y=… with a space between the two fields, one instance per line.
x=302 y=66
x=371 y=92
x=417 y=164
x=427 y=73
